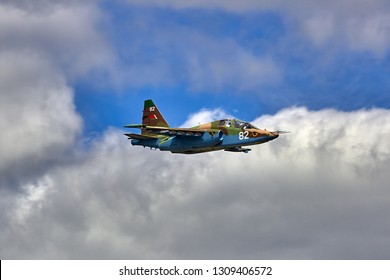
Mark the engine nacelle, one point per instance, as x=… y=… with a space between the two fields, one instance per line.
x=211 y=139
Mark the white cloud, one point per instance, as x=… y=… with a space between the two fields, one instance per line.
x=41 y=50
x=361 y=25
x=65 y=34
x=205 y=116
x=233 y=6
x=319 y=29
x=370 y=33
x=336 y=142
x=182 y=55
x=37 y=115
x=319 y=192
x=232 y=68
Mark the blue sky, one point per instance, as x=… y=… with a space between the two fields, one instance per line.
x=160 y=40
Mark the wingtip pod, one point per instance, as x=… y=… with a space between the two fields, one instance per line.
x=134 y=125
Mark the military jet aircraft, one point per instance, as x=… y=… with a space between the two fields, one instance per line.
x=227 y=134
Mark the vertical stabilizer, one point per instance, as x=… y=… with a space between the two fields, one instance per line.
x=152 y=116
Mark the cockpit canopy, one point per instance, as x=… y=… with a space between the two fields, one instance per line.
x=236 y=123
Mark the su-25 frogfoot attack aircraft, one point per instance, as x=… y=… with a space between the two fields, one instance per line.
x=226 y=134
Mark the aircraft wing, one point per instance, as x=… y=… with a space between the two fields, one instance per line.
x=168 y=131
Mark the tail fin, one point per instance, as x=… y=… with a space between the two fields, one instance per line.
x=152 y=116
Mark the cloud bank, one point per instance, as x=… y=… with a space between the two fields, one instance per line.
x=320 y=192
x=41 y=50
x=36 y=114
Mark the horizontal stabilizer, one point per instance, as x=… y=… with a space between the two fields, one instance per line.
x=135 y=125
x=139 y=136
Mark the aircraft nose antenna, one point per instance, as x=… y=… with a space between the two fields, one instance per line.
x=281 y=132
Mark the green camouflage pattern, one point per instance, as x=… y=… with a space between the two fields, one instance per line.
x=152 y=115
x=226 y=134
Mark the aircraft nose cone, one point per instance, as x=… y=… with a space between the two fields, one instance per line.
x=274 y=135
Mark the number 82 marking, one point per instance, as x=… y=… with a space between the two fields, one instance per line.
x=243 y=135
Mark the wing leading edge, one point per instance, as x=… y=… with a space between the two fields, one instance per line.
x=170 y=131
x=140 y=136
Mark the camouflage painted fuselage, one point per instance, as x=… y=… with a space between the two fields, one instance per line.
x=215 y=137
x=226 y=134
